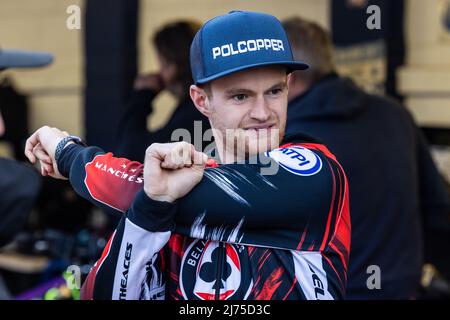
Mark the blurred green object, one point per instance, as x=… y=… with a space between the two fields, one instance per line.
x=66 y=291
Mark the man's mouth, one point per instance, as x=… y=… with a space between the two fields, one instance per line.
x=261 y=130
x=258 y=127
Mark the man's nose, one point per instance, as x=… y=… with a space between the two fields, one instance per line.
x=260 y=110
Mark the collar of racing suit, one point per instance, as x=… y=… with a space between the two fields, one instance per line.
x=288 y=139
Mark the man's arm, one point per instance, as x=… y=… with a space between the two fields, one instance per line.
x=287 y=210
x=106 y=181
x=112 y=182
x=234 y=202
x=131 y=266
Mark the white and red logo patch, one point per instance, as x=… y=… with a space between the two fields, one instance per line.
x=113 y=181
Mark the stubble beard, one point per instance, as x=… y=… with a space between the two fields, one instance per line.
x=236 y=142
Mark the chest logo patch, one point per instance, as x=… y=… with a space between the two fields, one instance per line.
x=209 y=272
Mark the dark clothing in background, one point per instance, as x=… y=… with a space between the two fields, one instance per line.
x=14 y=109
x=134 y=137
x=19 y=187
x=393 y=181
x=348 y=21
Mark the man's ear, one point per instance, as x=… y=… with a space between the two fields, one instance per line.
x=290 y=79
x=200 y=99
x=294 y=86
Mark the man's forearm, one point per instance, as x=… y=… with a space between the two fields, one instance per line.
x=99 y=177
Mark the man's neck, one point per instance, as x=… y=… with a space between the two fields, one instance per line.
x=226 y=156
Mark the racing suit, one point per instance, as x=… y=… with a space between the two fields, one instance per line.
x=238 y=234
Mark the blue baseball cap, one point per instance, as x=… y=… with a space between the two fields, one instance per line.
x=237 y=41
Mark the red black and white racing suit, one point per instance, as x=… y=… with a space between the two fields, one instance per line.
x=239 y=234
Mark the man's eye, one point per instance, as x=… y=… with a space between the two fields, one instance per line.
x=275 y=92
x=240 y=97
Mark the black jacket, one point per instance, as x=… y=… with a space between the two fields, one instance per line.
x=392 y=180
x=19 y=188
x=134 y=137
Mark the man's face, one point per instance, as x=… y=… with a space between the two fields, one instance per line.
x=247 y=110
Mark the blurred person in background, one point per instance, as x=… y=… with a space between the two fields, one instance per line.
x=14 y=108
x=172 y=43
x=19 y=183
x=393 y=181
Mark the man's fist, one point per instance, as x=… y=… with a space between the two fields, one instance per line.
x=171 y=170
x=41 y=146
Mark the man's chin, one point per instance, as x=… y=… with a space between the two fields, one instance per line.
x=249 y=142
x=261 y=143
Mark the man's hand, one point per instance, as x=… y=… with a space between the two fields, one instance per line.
x=41 y=146
x=171 y=170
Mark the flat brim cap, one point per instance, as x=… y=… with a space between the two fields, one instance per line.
x=238 y=41
x=24 y=59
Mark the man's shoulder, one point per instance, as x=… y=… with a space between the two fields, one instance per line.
x=307 y=141
x=298 y=145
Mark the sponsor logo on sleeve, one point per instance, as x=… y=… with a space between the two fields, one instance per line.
x=113 y=181
x=126 y=269
x=297 y=160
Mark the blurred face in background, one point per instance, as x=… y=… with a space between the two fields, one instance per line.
x=172 y=43
x=168 y=72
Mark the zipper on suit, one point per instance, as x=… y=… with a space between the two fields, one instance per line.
x=220 y=263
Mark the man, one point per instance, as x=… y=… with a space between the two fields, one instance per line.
x=19 y=184
x=392 y=177
x=227 y=231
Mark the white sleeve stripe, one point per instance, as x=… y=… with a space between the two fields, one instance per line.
x=137 y=248
x=310 y=275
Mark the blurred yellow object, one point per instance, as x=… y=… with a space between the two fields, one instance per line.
x=22 y=263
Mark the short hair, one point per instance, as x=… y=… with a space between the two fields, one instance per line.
x=312 y=44
x=207 y=88
x=173 y=42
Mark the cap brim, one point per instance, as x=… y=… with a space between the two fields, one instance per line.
x=24 y=59
x=290 y=65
